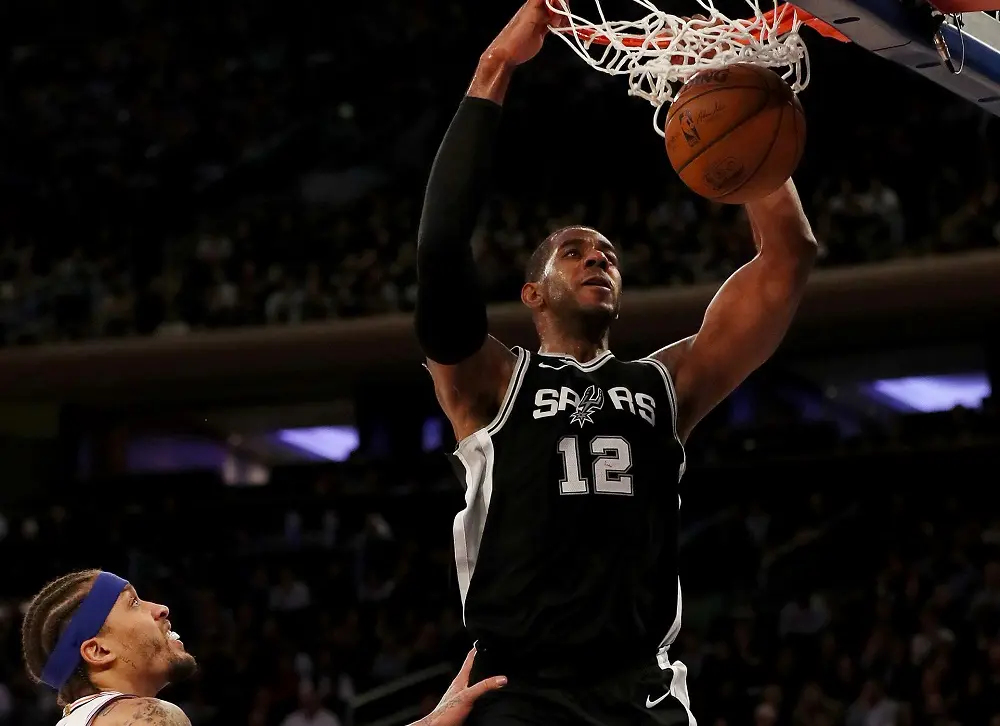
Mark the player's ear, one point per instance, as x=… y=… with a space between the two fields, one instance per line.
x=531 y=295
x=94 y=652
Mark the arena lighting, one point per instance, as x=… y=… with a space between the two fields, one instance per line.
x=333 y=443
x=934 y=393
x=432 y=434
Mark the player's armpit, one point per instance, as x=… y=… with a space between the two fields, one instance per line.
x=749 y=315
x=470 y=368
x=141 y=712
x=470 y=392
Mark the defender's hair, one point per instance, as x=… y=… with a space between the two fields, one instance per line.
x=47 y=617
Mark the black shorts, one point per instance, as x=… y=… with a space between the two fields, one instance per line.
x=637 y=696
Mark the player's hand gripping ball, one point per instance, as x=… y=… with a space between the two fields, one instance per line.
x=735 y=134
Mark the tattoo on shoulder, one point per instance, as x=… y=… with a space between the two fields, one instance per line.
x=142 y=712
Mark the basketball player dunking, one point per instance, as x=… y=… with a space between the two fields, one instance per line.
x=107 y=654
x=567 y=547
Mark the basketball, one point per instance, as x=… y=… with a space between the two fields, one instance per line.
x=735 y=134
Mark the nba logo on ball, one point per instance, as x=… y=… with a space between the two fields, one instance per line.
x=743 y=133
x=688 y=129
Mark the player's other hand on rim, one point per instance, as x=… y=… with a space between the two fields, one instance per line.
x=523 y=36
x=457 y=701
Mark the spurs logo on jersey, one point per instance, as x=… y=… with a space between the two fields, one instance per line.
x=549 y=402
x=567 y=545
x=591 y=403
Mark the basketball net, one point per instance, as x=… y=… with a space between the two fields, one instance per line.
x=660 y=52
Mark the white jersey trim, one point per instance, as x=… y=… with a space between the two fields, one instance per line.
x=675 y=627
x=477 y=456
x=668 y=381
x=517 y=375
x=589 y=366
x=678 y=684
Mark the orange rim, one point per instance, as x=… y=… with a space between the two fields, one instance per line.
x=591 y=35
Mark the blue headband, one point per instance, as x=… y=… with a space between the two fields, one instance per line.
x=84 y=625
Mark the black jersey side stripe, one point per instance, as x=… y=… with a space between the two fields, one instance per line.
x=512 y=390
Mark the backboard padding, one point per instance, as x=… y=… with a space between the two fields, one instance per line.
x=897 y=33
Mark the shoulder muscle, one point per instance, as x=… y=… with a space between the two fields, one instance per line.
x=142 y=712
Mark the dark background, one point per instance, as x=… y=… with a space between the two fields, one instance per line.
x=207 y=232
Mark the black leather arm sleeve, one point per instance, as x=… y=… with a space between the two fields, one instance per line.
x=451 y=308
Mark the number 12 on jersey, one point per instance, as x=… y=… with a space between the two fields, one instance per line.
x=612 y=461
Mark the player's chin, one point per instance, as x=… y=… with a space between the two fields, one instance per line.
x=604 y=302
x=182 y=666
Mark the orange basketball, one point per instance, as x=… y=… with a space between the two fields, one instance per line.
x=735 y=134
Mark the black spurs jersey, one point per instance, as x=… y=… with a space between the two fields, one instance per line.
x=568 y=540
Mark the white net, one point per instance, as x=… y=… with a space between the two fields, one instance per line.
x=660 y=51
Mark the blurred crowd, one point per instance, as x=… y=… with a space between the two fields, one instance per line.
x=898 y=628
x=836 y=601
x=245 y=163
x=173 y=167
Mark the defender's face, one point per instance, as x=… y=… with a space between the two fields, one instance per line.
x=139 y=636
x=582 y=272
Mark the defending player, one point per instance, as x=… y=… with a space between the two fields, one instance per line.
x=567 y=548
x=107 y=654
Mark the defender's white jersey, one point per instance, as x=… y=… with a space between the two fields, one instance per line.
x=83 y=711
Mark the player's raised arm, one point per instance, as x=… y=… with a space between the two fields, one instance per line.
x=750 y=314
x=470 y=368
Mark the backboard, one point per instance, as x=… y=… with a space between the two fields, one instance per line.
x=962 y=53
